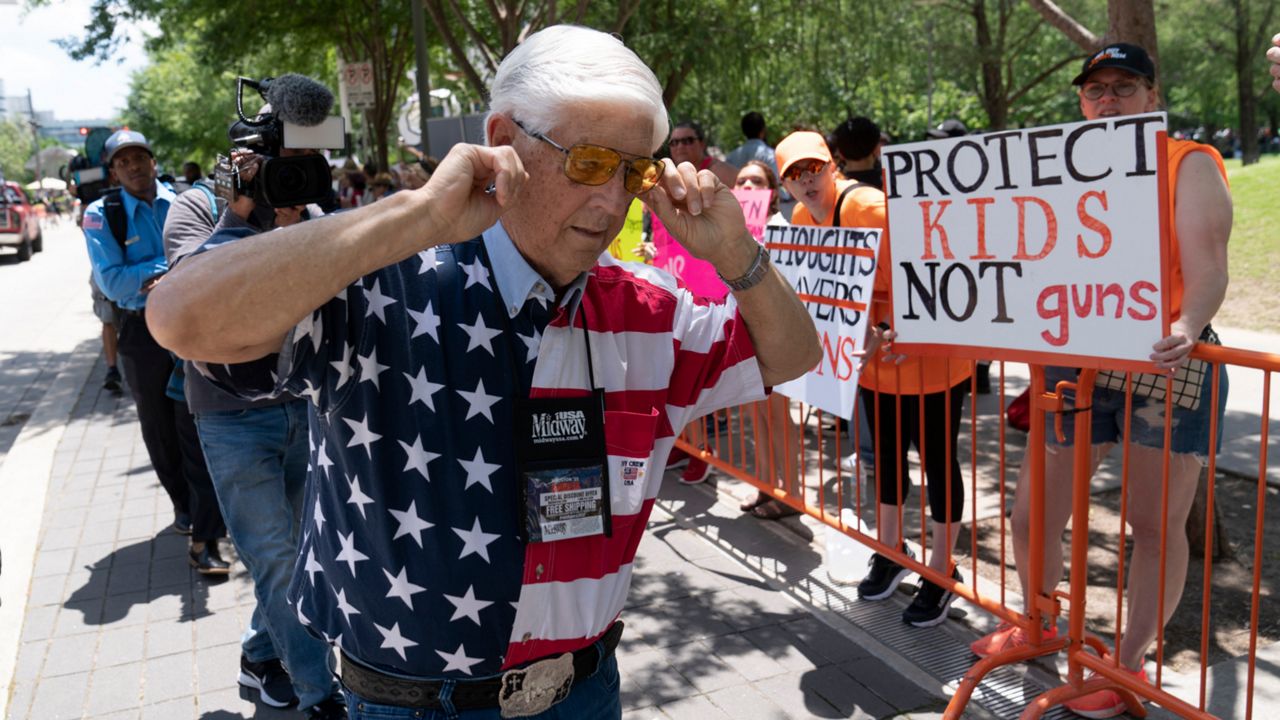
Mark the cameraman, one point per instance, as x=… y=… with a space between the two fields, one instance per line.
x=122 y=231
x=257 y=456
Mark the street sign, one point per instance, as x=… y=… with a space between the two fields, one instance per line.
x=357 y=77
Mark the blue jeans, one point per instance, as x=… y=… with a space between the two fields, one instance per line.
x=258 y=460
x=595 y=698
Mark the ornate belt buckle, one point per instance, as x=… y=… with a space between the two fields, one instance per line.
x=534 y=689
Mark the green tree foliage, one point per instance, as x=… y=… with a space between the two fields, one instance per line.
x=15 y=150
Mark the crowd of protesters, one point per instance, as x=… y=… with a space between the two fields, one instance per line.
x=268 y=431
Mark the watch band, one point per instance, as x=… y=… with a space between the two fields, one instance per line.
x=757 y=272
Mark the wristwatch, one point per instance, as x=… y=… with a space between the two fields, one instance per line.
x=758 y=271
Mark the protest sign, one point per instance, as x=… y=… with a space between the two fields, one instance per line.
x=833 y=272
x=1047 y=244
x=627 y=245
x=699 y=275
x=755 y=209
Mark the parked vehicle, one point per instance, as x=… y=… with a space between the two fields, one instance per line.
x=19 y=224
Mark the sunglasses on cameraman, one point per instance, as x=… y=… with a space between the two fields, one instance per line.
x=588 y=164
x=800 y=168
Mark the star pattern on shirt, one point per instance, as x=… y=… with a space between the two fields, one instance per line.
x=478 y=471
x=417 y=457
x=312 y=567
x=479 y=335
x=344 y=367
x=345 y=607
x=475 y=541
x=392 y=639
x=377 y=302
x=467 y=606
x=458 y=660
x=349 y=554
x=531 y=344
x=477 y=274
x=357 y=496
x=409 y=523
x=479 y=402
x=402 y=588
x=421 y=389
x=361 y=435
x=425 y=322
x=370 y=368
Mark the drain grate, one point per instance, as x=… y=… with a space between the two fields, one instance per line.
x=935 y=652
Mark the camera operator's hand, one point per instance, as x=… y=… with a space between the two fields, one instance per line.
x=247 y=163
x=287 y=216
x=462 y=204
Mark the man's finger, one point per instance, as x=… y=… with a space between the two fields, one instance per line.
x=689 y=183
x=708 y=186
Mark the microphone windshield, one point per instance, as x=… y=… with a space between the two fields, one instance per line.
x=299 y=100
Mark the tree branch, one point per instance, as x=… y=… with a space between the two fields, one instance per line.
x=436 y=11
x=1067 y=25
x=1044 y=75
x=486 y=51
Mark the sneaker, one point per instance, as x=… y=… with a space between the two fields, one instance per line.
x=677 y=459
x=695 y=472
x=850 y=463
x=111 y=383
x=272 y=682
x=1103 y=703
x=332 y=708
x=883 y=578
x=208 y=561
x=182 y=523
x=1006 y=637
x=930 y=605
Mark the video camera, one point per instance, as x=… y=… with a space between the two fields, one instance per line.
x=88 y=171
x=297 y=118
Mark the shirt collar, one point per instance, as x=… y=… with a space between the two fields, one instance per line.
x=131 y=203
x=518 y=281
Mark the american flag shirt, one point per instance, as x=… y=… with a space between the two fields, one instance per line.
x=411 y=559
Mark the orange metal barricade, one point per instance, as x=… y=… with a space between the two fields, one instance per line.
x=773 y=461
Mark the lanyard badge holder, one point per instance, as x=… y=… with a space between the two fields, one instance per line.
x=561 y=457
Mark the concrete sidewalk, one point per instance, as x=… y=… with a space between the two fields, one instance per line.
x=118 y=626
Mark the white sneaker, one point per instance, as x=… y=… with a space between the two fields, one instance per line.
x=850 y=463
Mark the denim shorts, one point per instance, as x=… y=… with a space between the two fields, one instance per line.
x=1190 y=432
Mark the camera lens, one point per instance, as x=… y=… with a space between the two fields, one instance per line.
x=292 y=180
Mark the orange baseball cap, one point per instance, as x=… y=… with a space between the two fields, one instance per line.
x=803 y=145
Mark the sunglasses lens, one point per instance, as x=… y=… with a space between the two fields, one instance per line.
x=642 y=175
x=591 y=164
x=798 y=170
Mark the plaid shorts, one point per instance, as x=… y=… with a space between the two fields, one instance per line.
x=1190 y=432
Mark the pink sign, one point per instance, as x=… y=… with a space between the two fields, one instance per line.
x=699 y=275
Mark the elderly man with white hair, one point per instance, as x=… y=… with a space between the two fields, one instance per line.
x=492 y=395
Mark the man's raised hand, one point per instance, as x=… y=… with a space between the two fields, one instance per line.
x=470 y=190
x=703 y=215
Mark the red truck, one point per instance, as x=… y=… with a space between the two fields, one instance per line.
x=19 y=225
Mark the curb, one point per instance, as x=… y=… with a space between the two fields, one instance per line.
x=24 y=483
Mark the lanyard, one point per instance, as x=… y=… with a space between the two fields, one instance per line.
x=510 y=330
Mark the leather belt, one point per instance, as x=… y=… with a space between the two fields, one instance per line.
x=503 y=691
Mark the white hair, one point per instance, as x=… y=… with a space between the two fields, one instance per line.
x=563 y=65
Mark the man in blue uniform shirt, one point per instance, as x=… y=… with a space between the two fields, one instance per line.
x=128 y=260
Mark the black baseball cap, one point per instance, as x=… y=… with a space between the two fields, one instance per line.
x=1122 y=56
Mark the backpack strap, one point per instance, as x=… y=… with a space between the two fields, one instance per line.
x=117 y=220
x=208 y=193
x=835 y=220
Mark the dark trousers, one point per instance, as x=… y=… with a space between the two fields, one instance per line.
x=168 y=430
x=939 y=427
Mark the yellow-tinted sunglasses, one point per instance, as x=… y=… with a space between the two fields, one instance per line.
x=594 y=164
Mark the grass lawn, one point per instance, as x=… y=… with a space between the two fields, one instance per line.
x=1255 y=247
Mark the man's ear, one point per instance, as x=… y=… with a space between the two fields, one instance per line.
x=500 y=130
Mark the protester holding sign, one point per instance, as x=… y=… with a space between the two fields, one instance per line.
x=810 y=175
x=1119 y=81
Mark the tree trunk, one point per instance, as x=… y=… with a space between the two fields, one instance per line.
x=994 y=98
x=1222 y=549
x=1133 y=21
x=1246 y=95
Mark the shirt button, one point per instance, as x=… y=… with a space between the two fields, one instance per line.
x=538 y=570
x=527 y=637
x=540 y=287
x=514 y=309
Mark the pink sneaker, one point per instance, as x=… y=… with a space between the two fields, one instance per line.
x=677 y=458
x=695 y=472
x=1006 y=637
x=1103 y=703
